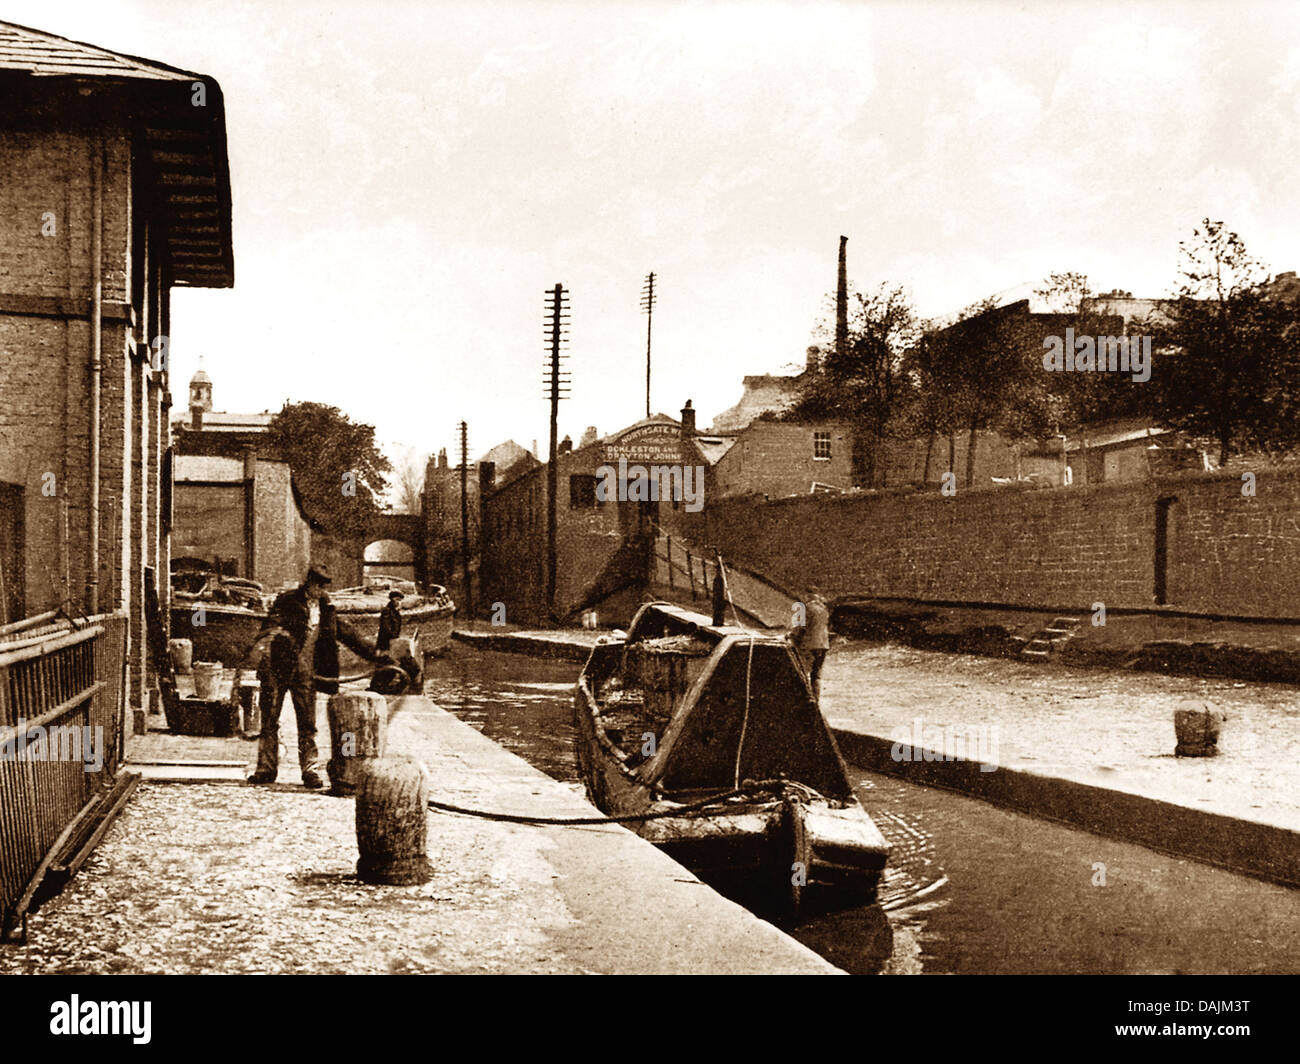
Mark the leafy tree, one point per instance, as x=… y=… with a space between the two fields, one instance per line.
x=1235 y=370
x=337 y=466
x=864 y=383
x=989 y=365
x=1077 y=400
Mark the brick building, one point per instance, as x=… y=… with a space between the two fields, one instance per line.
x=441 y=502
x=780 y=458
x=115 y=188
x=601 y=544
x=245 y=512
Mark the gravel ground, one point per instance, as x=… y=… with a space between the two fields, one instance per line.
x=168 y=892
x=230 y=878
x=1104 y=726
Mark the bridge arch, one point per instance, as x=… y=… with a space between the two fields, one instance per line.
x=394 y=543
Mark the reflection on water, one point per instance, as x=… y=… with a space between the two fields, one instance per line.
x=525 y=704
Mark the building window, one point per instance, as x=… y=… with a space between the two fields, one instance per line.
x=822 y=446
x=582 y=491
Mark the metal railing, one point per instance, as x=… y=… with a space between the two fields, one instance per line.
x=62 y=706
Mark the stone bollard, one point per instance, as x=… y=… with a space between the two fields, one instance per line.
x=358 y=732
x=1197 y=732
x=393 y=822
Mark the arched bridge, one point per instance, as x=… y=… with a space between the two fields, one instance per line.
x=403 y=528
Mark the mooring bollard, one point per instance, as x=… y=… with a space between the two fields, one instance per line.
x=1197 y=732
x=358 y=732
x=392 y=821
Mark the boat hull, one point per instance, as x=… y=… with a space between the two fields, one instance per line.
x=433 y=623
x=228 y=632
x=225 y=634
x=750 y=848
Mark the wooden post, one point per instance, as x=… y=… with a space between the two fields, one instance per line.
x=690 y=572
x=392 y=822
x=358 y=731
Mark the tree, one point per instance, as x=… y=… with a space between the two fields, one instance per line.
x=864 y=383
x=1235 y=368
x=1081 y=399
x=337 y=466
x=408 y=486
x=988 y=365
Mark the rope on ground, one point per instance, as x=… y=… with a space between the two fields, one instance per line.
x=749 y=787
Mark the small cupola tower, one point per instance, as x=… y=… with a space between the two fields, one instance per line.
x=200 y=397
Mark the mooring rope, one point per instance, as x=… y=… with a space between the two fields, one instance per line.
x=364 y=675
x=690 y=809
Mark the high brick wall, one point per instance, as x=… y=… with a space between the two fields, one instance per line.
x=46 y=245
x=281 y=537
x=1064 y=547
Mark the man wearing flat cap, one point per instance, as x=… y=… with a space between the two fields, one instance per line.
x=298 y=654
x=390 y=621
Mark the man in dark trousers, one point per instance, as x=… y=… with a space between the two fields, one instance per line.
x=390 y=621
x=813 y=640
x=293 y=648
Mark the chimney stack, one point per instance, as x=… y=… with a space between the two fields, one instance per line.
x=842 y=303
x=688 y=421
x=814 y=359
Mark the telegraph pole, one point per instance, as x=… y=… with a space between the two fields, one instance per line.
x=464 y=519
x=557 y=383
x=648 y=305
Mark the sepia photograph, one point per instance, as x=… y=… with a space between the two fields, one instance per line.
x=654 y=487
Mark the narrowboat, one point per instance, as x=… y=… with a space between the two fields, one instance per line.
x=710 y=741
x=427 y=616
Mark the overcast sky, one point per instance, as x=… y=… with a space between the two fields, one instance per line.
x=409 y=178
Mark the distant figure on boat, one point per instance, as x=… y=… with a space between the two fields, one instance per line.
x=813 y=640
x=390 y=621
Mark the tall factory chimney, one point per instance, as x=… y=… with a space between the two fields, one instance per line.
x=842 y=303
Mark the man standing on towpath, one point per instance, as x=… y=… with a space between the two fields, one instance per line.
x=813 y=640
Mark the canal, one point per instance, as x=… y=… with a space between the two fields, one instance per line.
x=971 y=888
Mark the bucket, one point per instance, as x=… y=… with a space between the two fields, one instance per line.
x=182 y=652
x=207 y=679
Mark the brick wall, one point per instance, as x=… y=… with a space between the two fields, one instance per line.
x=588 y=538
x=1061 y=547
x=281 y=537
x=45 y=255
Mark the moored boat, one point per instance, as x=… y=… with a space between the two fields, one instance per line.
x=712 y=735
x=426 y=616
x=222 y=616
